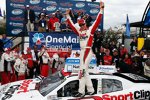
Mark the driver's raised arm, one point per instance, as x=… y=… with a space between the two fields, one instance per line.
x=70 y=22
x=98 y=19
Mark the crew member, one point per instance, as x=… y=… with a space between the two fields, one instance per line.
x=44 y=60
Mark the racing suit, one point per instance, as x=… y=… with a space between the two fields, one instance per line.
x=44 y=60
x=6 y=67
x=20 y=66
x=86 y=40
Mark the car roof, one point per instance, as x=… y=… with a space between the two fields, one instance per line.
x=128 y=76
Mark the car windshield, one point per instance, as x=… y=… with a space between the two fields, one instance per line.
x=50 y=83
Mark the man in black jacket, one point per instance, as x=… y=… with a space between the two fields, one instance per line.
x=29 y=18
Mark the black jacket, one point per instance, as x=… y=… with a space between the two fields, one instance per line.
x=31 y=16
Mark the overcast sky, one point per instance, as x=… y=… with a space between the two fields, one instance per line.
x=116 y=10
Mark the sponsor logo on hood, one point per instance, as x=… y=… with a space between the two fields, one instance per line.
x=94 y=11
x=51 y=8
x=50 y=2
x=34 y=1
x=16 y=31
x=17 y=12
x=80 y=5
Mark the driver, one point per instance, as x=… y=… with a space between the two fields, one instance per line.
x=86 y=38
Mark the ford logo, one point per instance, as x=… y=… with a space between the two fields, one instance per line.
x=16 y=31
x=17 y=11
x=94 y=11
x=34 y=1
x=80 y=5
x=50 y=2
x=51 y=8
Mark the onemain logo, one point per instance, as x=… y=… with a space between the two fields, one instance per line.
x=94 y=11
x=80 y=5
x=51 y=8
x=17 y=12
x=64 y=39
x=34 y=1
x=38 y=38
x=16 y=31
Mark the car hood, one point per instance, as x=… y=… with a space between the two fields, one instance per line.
x=25 y=90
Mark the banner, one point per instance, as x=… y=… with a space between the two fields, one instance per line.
x=55 y=40
x=73 y=64
x=147 y=18
x=15 y=11
x=127 y=27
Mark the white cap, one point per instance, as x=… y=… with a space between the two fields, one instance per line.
x=122 y=45
x=53 y=13
x=70 y=8
x=78 y=51
x=42 y=14
x=145 y=56
x=44 y=9
x=27 y=5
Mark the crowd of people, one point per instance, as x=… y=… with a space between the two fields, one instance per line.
x=17 y=65
x=115 y=53
x=55 y=22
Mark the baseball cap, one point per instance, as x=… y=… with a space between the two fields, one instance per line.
x=27 y=6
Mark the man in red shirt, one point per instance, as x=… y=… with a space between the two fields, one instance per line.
x=107 y=58
x=52 y=21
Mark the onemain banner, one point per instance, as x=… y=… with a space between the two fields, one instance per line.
x=15 y=11
x=55 y=40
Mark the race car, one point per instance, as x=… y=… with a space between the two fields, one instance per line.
x=63 y=86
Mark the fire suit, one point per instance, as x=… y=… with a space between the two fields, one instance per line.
x=86 y=40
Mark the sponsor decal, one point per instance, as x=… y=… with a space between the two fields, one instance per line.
x=128 y=96
x=16 y=18
x=93 y=5
x=36 y=7
x=16 y=24
x=16 y=31
x=17 y=12
x=21 y=6
x=94 y=11
x=80 y=5
x=64 y=39
x=51 y=8
x=38 y=38
x=34 y=1
x=50 y=2
x=142 y=94
x=82 y=10
x=24 y=86
x=137 y=95
x=66 y=4
x=20 y=1
x=62 y=9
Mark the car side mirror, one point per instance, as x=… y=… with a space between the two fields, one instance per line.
x=52 y=97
